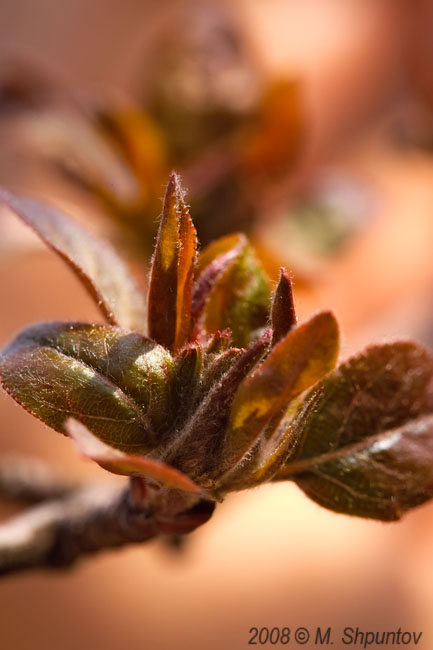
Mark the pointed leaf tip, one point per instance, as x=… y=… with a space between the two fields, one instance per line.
x=171 y=275
x=95 y=263
x=283 y=315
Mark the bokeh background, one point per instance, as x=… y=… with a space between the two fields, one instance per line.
x=348 y=207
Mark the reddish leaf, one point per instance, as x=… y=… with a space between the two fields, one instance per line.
x=170 y=286
x=118 y=462
x=95 y=263
x=185 y=273
x=283 y=315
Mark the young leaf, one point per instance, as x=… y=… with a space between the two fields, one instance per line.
x=216 y=267
x=219 y=342
x=217 y=248
x=297 y=362
x=96 y=264
x=187 y=374
x=283 y=315
x=232 y=290
x=217 y=366
x=261 y=464
x=197 y=450
x=366 y=446
x=118 y=462
x=171 y=276
x=114 y=382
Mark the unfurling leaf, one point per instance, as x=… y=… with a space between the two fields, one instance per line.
x=365 y=438
x=231 y=290
x=198 y=449
x=171 y=276
x=187 y=376
x=297 y=362
x=216 y=262
x=114 y=382
x=219 y=342
x=283 y=315
x=118 y=462
x=96 y=264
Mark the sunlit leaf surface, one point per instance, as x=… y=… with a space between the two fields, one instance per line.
x=365 y=436
x=297 y=362
x=114 y=382
x=170 y=285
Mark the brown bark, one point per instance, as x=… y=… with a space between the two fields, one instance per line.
x=58 y=531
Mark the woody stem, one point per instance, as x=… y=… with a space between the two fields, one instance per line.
x=57 y=532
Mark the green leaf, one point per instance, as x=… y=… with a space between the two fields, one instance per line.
x=118 y=462
x=114 y=382
x=365 y=437
x=187 y=375
x=235 y=288
x=283 y=315
x=171 y=275
x=297 y=362
x=95 y=263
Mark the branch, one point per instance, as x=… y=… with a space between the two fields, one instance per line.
x=31 y=480
x=56 y=533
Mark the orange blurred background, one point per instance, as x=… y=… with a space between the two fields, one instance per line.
x=269 y=557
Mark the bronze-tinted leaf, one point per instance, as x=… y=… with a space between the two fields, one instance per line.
x=217 y=248
x=171 y=276
x=118 y=462
x=283 y=315
x=185 y=275
x=95 y=263
x=297 y=362
x=213 y=271
x=238 y=293
x=261 y=463
x=114 y=382
x=366 y=446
